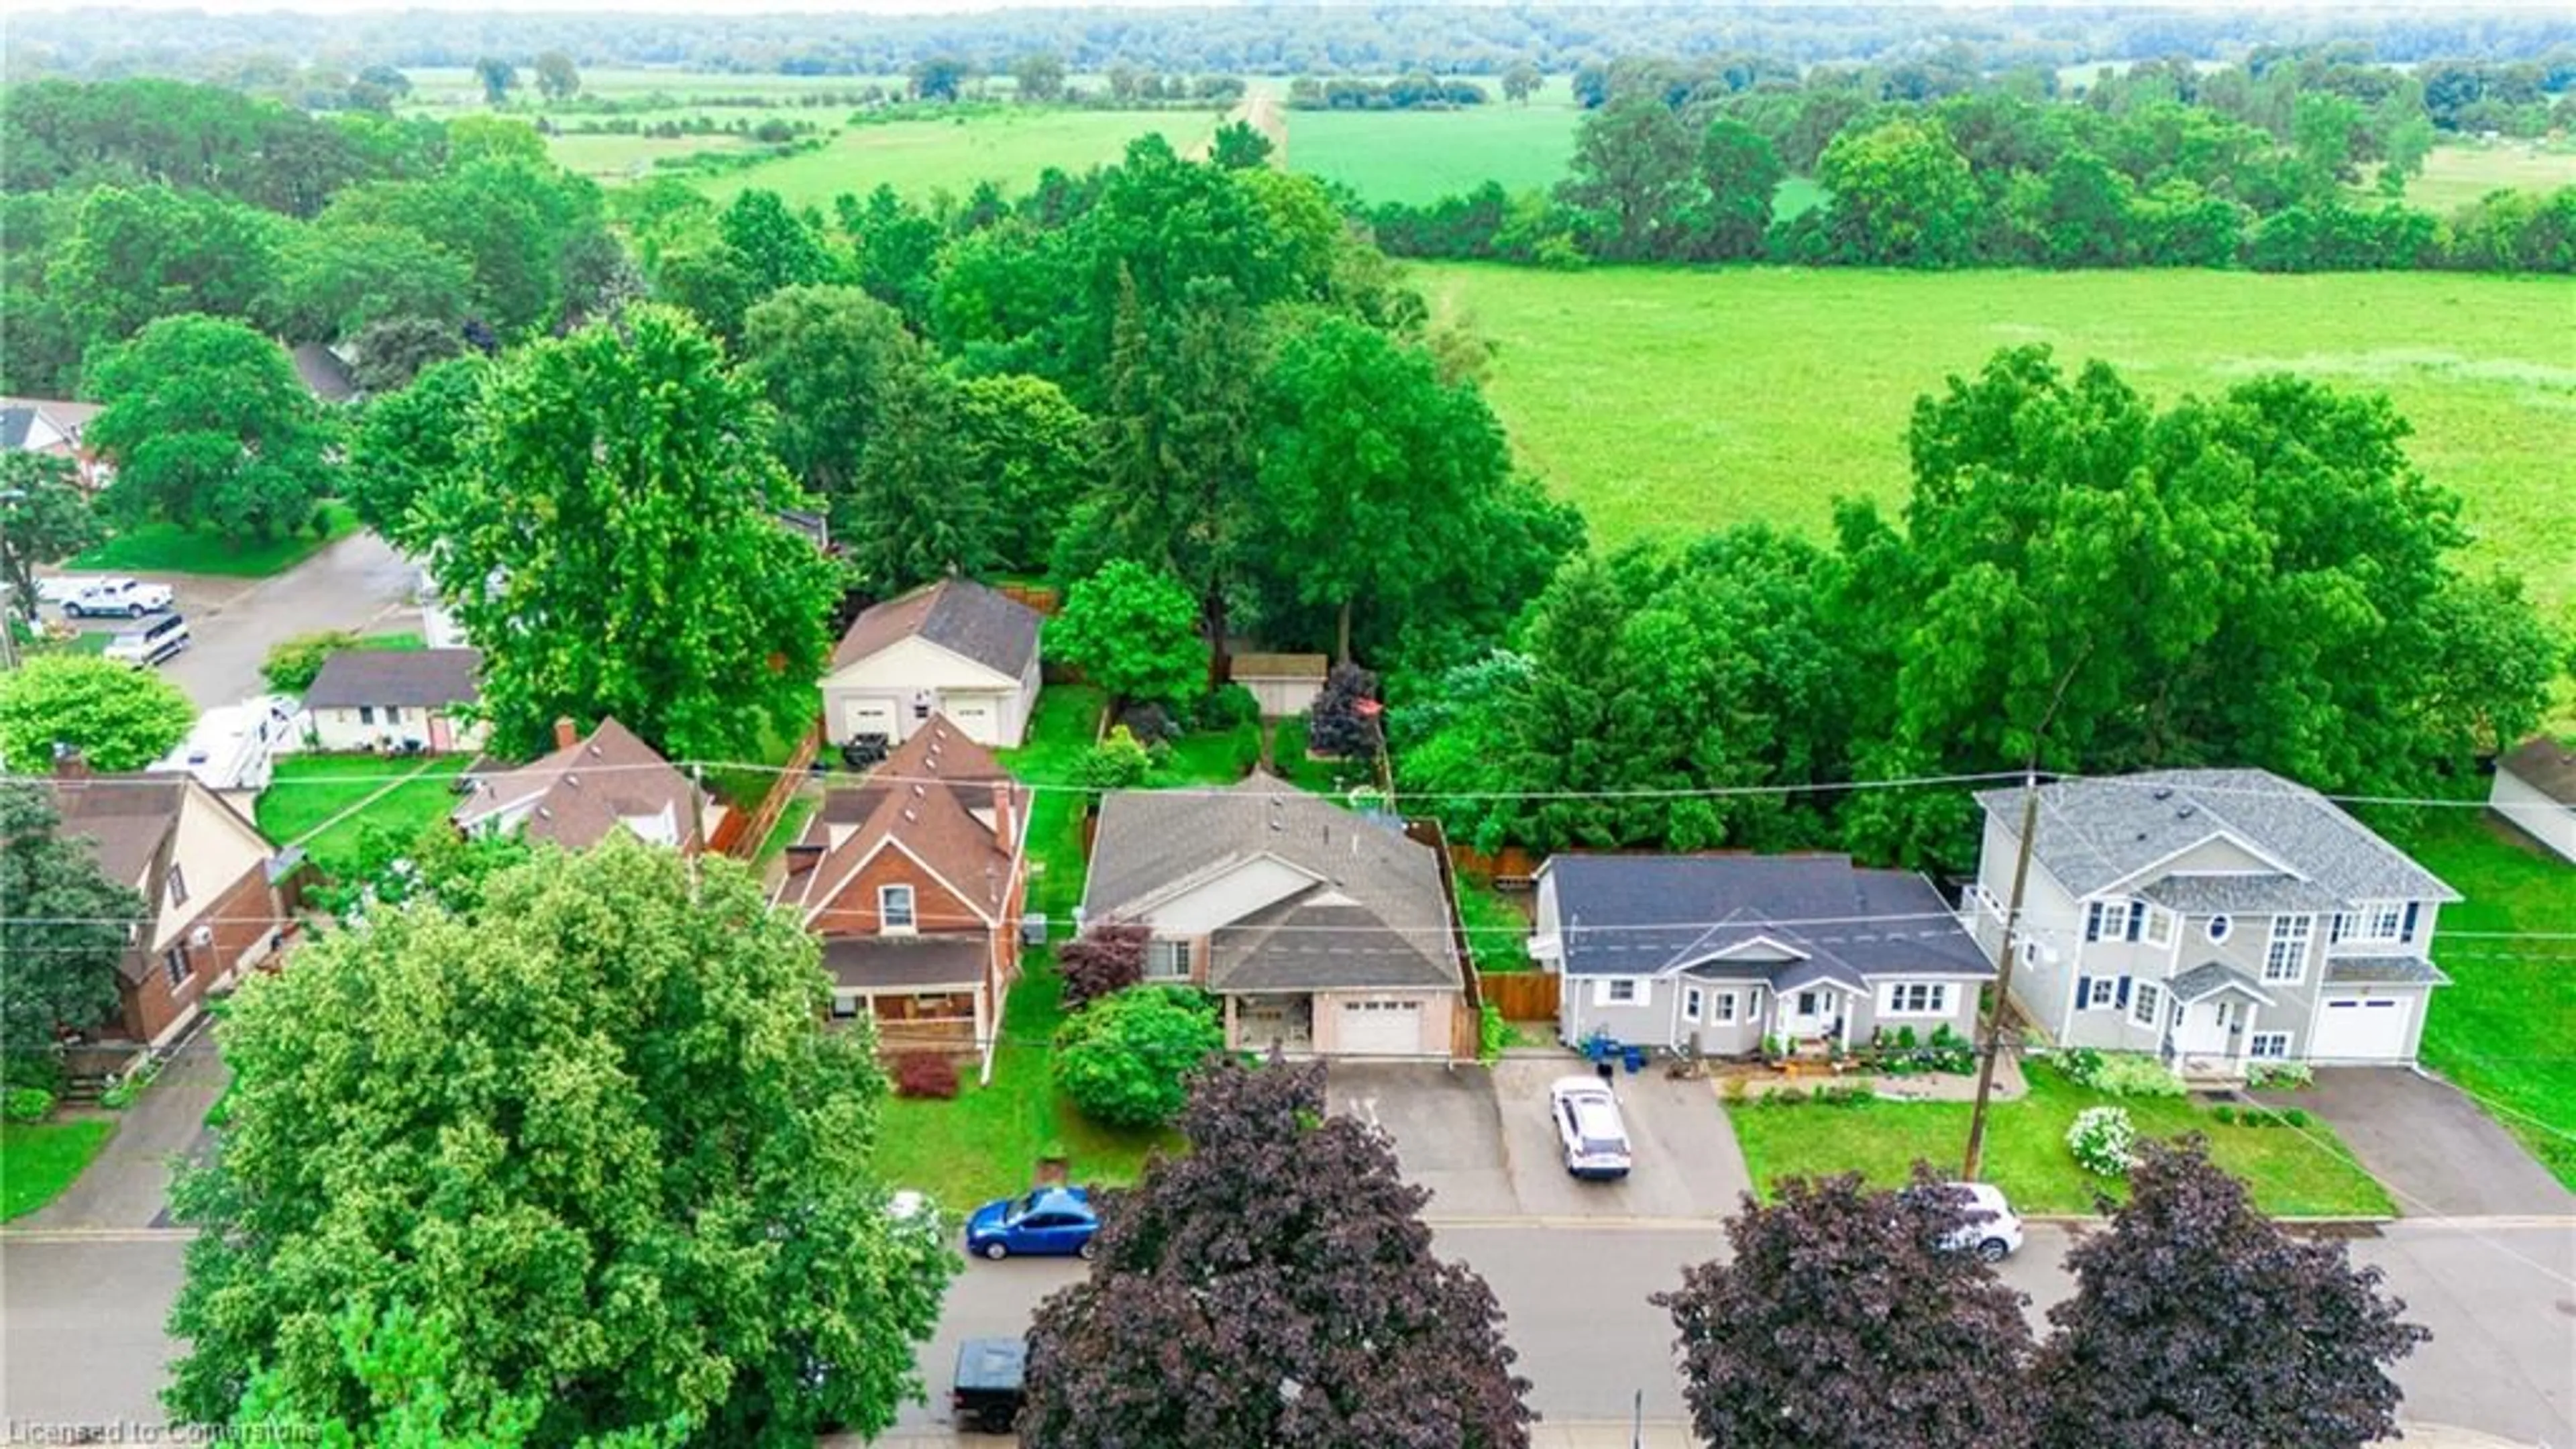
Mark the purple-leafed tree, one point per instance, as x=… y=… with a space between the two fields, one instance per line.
x=1108 y=956
x=1344 y=718
x=1273 y=1289
x=1844 y=1322
x=2197 y=1320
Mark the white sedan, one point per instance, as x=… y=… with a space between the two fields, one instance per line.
x=1589 y=1127
x=1993 y=1230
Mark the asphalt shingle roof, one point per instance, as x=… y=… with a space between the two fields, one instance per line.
x=2546 y=766
x=2094 y=833
x=2239 y=895
x=586 y=790
x=1639 y=915
x=408 y=678
x=2383 y=971
x=2211 y=977
x=959 y=615
x=881 y=963
x=1376 y=916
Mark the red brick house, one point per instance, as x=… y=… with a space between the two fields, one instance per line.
x=915 y=881
x=205 y=876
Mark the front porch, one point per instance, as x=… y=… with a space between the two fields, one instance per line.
x=1282 y=1022
x=1814 y=1019
x=2208 y=1025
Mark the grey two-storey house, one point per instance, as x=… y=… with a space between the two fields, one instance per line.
x=1716 y=953
x=2213 y=917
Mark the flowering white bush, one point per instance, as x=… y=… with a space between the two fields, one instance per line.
x=2102 y=1139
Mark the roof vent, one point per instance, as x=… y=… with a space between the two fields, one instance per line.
x=573 y=780
x=2163 y=792
x=2142 y=835
x=908 y=815
x=2185 y=813
x=917 y=792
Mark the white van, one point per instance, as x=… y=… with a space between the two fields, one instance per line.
x=150 y=644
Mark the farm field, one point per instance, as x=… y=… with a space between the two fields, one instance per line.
x=916 y=158
x=613 y=159
x=1667 y=402
x=456 y=87
x=2454 y=176
x=1419 y=156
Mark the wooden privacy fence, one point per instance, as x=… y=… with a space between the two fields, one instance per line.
x=744 y=842
x=1522 y=995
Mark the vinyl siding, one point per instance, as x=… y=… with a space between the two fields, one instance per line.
x=2535 y=814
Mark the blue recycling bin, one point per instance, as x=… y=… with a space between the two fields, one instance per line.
x=1636 y=1059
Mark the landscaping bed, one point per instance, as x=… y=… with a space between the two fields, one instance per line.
x=2294 y=1171
x=39 y=1159
x=313 y=795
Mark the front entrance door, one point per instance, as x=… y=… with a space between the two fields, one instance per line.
x=2214 y=1028
x=1809 y=1011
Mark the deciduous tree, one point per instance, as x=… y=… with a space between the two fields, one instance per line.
x=662 y=590
x=1902 y=195
x=334 y=281
x=2196 y=1319
x=1273 y=1288
x=45 y=517
x=1741 y=174
x=510 y=1120
x=1634 y=169
x=1024 y=445
x=826 y=358
x=1134 y=632
x=1843 y=1322
x=407 y=442
x=498 y=78
x=1109 y=956
x=1040 y=76
x=63 y=932
x=209 y=427
x=118 y=717
x=134 y=255
x=558 y=79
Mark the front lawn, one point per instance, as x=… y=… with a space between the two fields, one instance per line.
x=2293 y=1171
x=985 y=1144
x=327 y=803
x=168 y=548
x=2501 y=1029
x=39 y=1159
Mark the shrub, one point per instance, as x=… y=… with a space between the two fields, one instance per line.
x=1493 y=1033
x=1222 y=709
x=1343 y=720
x=1905 y=1039
x=1124 y=1059
x=1842 y=1095
x=293 y=662
x=2135 y=1074
x=1116 y=763
x=2226 y=1115
x=2295 y=1117
x=1785 y=1097
x=27 y=1104
x=925 y=1074
x=1107 y=957
x=2279 y=1074
x=2082 y=1063
x=1734 y=1091
x=2103 y=1140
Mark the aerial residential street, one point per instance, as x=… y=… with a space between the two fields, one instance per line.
x=83 y=1339
x=349 y=585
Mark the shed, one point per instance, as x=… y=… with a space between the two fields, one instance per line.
x=1286 y=684
x=2535 y=789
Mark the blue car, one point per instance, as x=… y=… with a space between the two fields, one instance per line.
x=1054 y=1220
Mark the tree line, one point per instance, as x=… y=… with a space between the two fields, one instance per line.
x=2162 y=166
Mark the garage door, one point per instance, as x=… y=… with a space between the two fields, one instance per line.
x=2364 y=1028
x=867 y=717
x=975 y=717
x=1380 y=1029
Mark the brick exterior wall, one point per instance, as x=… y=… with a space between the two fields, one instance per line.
x=243 y=919
x=935 y=912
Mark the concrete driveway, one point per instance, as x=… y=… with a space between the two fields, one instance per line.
x=2438 y=1154
x=1482 y=1141
x=127 y=1186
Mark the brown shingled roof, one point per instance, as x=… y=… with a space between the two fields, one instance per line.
x=959 y=615
x=2546 y=766
x=587 y=789
x=921 y=794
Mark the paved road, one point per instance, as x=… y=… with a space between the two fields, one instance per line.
x=82 y=1337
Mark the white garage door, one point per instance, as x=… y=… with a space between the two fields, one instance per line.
x=1381 y=1029
x=2364 y=1028
x=975 y=717
x=867 y=717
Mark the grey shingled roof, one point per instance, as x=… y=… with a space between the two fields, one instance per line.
x=2239 y=895
x=1640 y=915
x=959 y=615
x=1377 y=915
x=2211 y=977
x=877 y=963
x=2383 y=971
x=2546 y=766
x=411 y=678
x=15 y=424
x=2094 y=833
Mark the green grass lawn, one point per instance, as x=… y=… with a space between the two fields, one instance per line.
x=1668 y=402
x=2454 y=176
x=743 y=786
x=611 y=159
x=2502 y=1028
x=1336 y=778
x=1061 y=728
x=309 y=790
x=791 y=823
x=2302 y=1172
x=1497 y=931
x=986 y=1143
x=168 y=548
x=39 y=1159
x=1420 y=156
x=916 y=158
x=1209 y=759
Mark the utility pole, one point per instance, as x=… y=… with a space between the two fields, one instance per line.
x=2003 y=982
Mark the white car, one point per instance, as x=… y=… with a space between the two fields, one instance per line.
x=131 y=598
x=1993 y=1231
x=1589 y=1128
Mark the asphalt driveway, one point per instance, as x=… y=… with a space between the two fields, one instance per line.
x=1482 y=1141
x=127 y=1185
x=2438 y=1154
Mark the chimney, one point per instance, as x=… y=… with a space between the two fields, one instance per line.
x=1003 y=824
x=565 y=735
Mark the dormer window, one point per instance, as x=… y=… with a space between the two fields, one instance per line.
x=894 y=910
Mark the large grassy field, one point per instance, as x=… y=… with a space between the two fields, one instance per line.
x=1422 y=156
x=2454 y=176
x=1666 y=402
x=2501 y=1030
x=612 y=159
x=916 y=158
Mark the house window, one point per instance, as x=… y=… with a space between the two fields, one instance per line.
x=845 y=1005
x=1918 y=998
x=894 y=909
x=2102 y=920
x=2286 y=959
x=2097 y=993
x=2142 y=1003
x=178 y=887
x=2274 y=1045
x=2160 y=928
x=1167 y=960
x=921 y=709
x=393 y=714
x=1692 y=997
x=366 y=714
x=1725 y=1011
x=2219 y=928
x=1620 y=991
x=175 y=962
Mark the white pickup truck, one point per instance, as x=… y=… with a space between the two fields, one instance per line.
x=105 y=597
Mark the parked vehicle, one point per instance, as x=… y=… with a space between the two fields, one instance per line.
x=150 y=644
x=1994 y=1229
x=61 y=589
x=112 y=597
x=1589 y=1128
x=990 y=1376
x=1050 y=1220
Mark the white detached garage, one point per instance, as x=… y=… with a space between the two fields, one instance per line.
x=953 y=648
